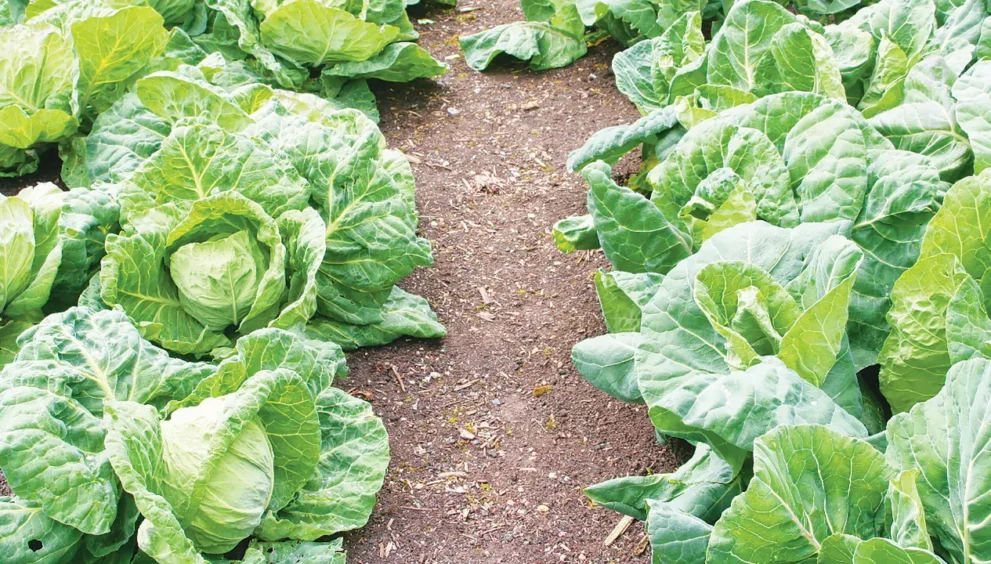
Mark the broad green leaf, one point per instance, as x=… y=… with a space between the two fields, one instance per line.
x=200 y=160
x=635 y=235
x=915 y=356
x=812 y=344
x=122 y=138
x=24 y=525
x=576 y=233
x=743 y=41
x=36 y=86
x=675 y=536
x=889 y=72
x=929 y=129
x=545 y=46
x=371 y=230
x=804 y=62
x=354 y=454
x=174 y=97
x=702 y=487
x=810 y=482
x=904 y=512
x=9 y=333
x=113 y=51
x=622 y=297
x=968 y=327
x=303 y=235
x=17 y=249
x=946 y=439
x=607 y=363
x=399 y=62
x=312 y=32
x=611 y=143
x=973 y=111
x=403 y=314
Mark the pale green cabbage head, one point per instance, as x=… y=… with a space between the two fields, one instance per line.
x=218 y=279
x=220 y=495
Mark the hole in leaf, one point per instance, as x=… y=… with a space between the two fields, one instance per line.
x=35 y=545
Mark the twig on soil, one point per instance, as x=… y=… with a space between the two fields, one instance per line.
x=618 y=530
x=466 y=385
x=402 y=386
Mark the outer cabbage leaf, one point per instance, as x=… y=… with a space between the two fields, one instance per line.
x=113 y=51
x=36 y=86
x=544 y=45
x=312 y=32
x=403 y=314
x=809 y=483
x=946 y=439
x=702 y=487
x=915 y=357
x=399 y=62
x=54 y=395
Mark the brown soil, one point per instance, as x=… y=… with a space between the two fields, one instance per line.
x=493 y=432
x=489 y=152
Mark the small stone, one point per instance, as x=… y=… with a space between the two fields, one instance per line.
x=496 y=402
x=466 y=434
x=453 y=111
x=543 y=509
x=530 y=106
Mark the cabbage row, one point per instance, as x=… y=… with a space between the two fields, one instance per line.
x=172 y=324
x=798 y=283
x=63 y=62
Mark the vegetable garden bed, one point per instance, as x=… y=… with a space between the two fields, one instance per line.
x=789 y=275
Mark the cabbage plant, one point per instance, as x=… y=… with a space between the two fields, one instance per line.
x=306 y=214
x=66 y=64
x=51 y=243
x=825 y=496
x=170 y=459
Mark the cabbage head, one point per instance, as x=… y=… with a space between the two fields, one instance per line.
x=261 y=445
x=193 y=280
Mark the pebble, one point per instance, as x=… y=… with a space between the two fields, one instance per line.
x=543 y=509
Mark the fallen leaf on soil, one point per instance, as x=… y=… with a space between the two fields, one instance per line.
x=541 y=390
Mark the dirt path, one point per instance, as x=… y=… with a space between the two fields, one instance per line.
x=484 y=470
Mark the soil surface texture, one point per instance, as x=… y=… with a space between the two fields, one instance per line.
x=493 y=431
